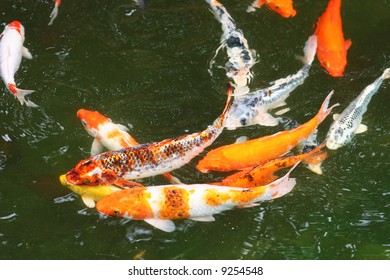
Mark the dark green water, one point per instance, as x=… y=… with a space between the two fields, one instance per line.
x=149 y=70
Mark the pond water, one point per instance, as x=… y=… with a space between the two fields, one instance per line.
x=149 y=70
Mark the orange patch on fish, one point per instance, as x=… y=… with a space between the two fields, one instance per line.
x=175 y=205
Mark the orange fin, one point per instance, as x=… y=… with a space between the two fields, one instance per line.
x=128 y=184
x=347 y=44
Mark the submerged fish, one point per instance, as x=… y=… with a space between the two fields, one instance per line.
x=11 y=52
x=54 y=12
x=241 y=58
x=332 y=48
x=147 y=159
x=110 y=135
x=159 y=205
x=263 y=149
x=348 y=123
x=252 y=108
x=264 y=173
x=284 y=8
x=89 y=194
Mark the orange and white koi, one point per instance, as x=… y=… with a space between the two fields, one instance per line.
x=261 y=150
x=11 y=52
x=145 y=160
x=332 y=48
x=252 y=108
x=265 y=173
x=285 y=8
x=110 y=135
x=54 y=12
x=241 y=58
x=349 y=122
x=159 y=205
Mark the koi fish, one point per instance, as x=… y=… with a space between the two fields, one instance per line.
x=54 y=12
x=332 y=48
x=252 y=108
x=241 y=58
x=348 y=123
x=261 y=150
x=88 y=194
x=306 y=145
x=159 y=205
x=284 y=8
x=264 y=173
x=11 y=52
x=110 y=135
x=145 y=160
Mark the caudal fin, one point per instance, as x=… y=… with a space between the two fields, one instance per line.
x=309 y=51
x=20 y=95
x=324 y=110
x=284 y=185
x=223 y=116
x=386 y=74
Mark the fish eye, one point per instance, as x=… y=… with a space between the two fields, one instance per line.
x=116 y=212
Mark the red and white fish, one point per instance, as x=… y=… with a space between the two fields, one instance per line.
x=332 y=48
x=159 y=205
x=11 y=53
x=145 y=160
x=54 y=12
x=110 y=135
x=285 y=8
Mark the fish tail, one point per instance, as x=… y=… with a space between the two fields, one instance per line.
x=309 y=51
x=386 y=74
x=324 y=110
x=20 y=95
x=221 y=119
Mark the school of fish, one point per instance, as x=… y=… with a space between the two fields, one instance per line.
x=110 y=179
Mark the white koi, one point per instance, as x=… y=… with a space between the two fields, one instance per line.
x=348 y=123
x=11 y=52
x=251 y=109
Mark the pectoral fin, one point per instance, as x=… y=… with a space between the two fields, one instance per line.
x=248 y=205
x=204 y=219
x=266 y=119
x=88 y=201
x=241 y=139
x=361 y=128
x=336 y=117
x=164 y=225
x=122 y=127
x=347 y=44
x=282 y=111
x=96 y=147
x=26 y=53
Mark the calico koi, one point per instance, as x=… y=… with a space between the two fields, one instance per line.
x=159 y=205
x=349 y=122
x=11 y=52
x=145 y=160
x=252 y=108
x=261 y=150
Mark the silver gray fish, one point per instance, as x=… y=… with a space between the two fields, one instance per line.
x=348 y=123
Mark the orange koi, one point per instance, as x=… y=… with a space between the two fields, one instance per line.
x=159 y=205
x=110 y=135
x=145 y=160
x=332 y=48
x=264 y=174
x=284 y=8
x=261 y=150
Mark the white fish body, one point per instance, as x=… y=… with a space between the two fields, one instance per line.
x=11 y=52
x=348 y=123
x=251 y=109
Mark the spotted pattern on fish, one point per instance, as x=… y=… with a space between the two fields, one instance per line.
x=175 y=204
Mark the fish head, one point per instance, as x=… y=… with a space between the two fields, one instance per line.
x=336 y=138
x=128 y=203
x=89 y=172
x=92 y=120
x=335 y=64
x=284 y=8
x=16 y=25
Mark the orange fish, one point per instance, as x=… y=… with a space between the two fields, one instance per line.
x=282 y=7
x=261 y=150
x=331 y=46
x=264 y=174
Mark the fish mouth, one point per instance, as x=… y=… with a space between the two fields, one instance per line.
x=63 y=180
